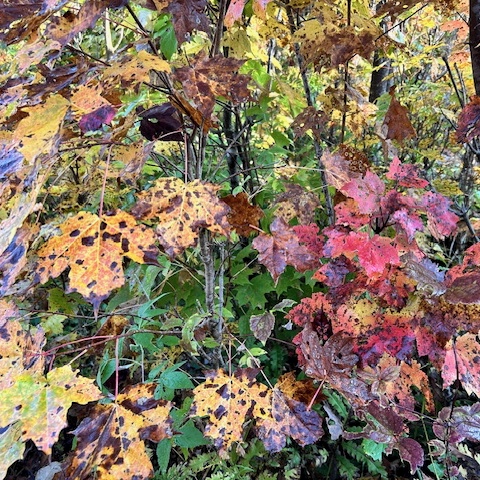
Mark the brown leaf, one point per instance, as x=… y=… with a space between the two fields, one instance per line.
x=243 y=215
x=181 y=210
x=283 y=248
x=310 y=119
x=262 y=326
x=396 y=120
x=208 y=78
x=188 y=15
x=93 y=248
x=296 y=202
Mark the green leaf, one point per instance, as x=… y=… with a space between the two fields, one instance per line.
x=176 y=380
x=190 y=436
x=164 y=449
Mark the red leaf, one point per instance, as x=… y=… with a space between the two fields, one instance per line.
x=441 y=221
x=367 y=191
x=405 y=174
x=468 y=121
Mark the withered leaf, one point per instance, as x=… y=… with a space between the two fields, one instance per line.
x=243 y=215
x=396 y=120
x=262 y=326
x=296 y=202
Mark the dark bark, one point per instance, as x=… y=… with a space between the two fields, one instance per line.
x=379 y=84
x=475 y=42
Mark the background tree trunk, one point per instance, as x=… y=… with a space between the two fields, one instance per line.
x=475 y=41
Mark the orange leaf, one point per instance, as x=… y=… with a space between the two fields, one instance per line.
x=93 y=248
x=243 y=215
x=182 y=209
x=397 y=122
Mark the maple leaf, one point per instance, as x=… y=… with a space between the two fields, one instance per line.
x=373 y=253
x=40 y=404
x=161 y=122
x=94 y=120
x=441 y=221
x=333 y=362
x=296 y=202
x=405 y=174
x=457 y=424
x=309 y=236
x=461 y=362
x=39 y=132
x=243 y=215
x=366 y=191
x=289 y=418
x=234 y=12
x=468 y=121
x=111 y=440
x=282 y=248
x=229 y=401
x=339 y=168
x=182 y=209
x=208 y=78
x=384 y=425
x=188 y=15
x=93 y=248
x=396 y=120
x=310 y=119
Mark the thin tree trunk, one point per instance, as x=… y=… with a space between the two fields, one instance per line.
x=475 y=42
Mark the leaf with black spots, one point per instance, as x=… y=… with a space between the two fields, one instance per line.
x=93 y=248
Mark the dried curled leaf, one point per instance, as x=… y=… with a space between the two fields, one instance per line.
x=93 y=247
x=182 y=209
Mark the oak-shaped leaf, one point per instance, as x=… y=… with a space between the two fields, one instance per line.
x=93 y=248
x=181 y=210
x=41 y=403
x=461 y=362
x=283 y=248
x=290 y=418
x=458 y=424
x=262 y=326
x=208 y=78
x=468 y=126
x=229 y=401
x=161 y=122
x=243 y=216
x=110 y=441
x=405 y=174
x=396 y=120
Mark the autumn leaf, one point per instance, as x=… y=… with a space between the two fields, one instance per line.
x=405 y=174
x=282 y=248
x=41 y=404
x=396 y=120
x=93 y=248
x=290 y=418
x=461 y=362
x=188 y=15
x=110 y=441
x=366 y=191
x=209 y=78
x=262 y=326
x=181 y=210
x=229 y=401
x=453 y=425
x=296 y=202
x=243 y=216
x=468 y=121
